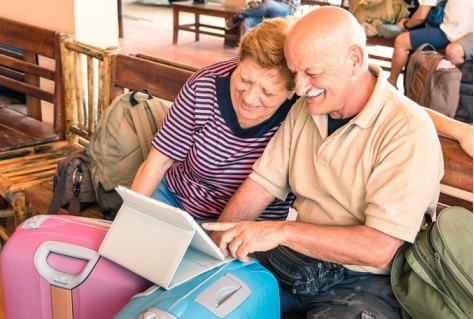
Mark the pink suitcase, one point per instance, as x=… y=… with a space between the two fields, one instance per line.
x=51 y=269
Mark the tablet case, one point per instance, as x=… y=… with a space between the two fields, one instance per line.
x=159 y=242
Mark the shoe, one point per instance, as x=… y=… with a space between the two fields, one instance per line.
x=253 y=3
x=233 y=22
x=389 y=31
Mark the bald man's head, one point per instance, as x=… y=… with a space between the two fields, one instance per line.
x=328 y=30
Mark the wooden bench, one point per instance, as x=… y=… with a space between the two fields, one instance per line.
x=82 y=107
x=231 y=37
x=119 y=72
x=30 y=65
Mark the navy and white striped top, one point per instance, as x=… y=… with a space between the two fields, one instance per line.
x=213 y=153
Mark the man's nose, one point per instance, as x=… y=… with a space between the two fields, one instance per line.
x=302 y=84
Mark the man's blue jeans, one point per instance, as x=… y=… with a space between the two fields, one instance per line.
x=267 y=9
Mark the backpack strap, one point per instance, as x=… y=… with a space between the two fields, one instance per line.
x=133 y=99
x=425 y=94
x=146 y=127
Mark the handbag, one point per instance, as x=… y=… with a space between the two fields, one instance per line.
x=300 y=274
x=436 y=14
x=72 y=184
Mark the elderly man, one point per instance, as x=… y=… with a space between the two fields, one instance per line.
x=364 y=163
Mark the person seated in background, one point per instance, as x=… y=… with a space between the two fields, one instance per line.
x=457 y=22
x=219 y=125
x=257 y=11
x=364 y=163
x=460 y=50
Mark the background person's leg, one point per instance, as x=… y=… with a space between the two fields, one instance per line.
x=268 y=8
x=250 y=23
x=255 y=15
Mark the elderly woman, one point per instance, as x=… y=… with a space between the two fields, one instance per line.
x=219 y=125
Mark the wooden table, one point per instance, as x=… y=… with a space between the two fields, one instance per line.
x=231 y=37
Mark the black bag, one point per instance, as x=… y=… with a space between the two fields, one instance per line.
x=464 y=111
x=436 y=14
x=72 y=184
x=301 y=274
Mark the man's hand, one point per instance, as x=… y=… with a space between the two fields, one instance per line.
x=243 y=238
x=215 y=236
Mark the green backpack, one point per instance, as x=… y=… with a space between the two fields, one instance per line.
x=120 y=144
x=432 y=278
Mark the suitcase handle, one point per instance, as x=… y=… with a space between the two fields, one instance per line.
x=224 y=296
x=58 y=278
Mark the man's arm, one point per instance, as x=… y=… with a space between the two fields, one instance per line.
x=247 y=203
x=349 y=245
x=418 y=17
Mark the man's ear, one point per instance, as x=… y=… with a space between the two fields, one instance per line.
x=357 y=58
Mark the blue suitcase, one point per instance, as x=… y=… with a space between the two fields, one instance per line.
x=235 y=290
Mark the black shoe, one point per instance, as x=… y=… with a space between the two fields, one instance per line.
x=233 y=22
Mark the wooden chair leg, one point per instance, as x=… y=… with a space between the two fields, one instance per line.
x=4 y=234
x=5 y=213
x=20 y=208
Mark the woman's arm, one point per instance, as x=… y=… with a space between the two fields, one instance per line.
x=453 y=129
x=151 y=172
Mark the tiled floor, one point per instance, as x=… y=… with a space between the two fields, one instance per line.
x=148 y=30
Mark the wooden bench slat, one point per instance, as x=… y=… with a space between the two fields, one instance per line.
x=26 y=67
x=30 y=171
x=27 y=37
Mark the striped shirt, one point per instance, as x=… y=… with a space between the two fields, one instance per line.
x=213 y=154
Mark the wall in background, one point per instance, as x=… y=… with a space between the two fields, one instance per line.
x=91 y=21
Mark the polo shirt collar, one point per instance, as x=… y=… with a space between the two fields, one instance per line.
x=369 y=113
x=372 y=108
